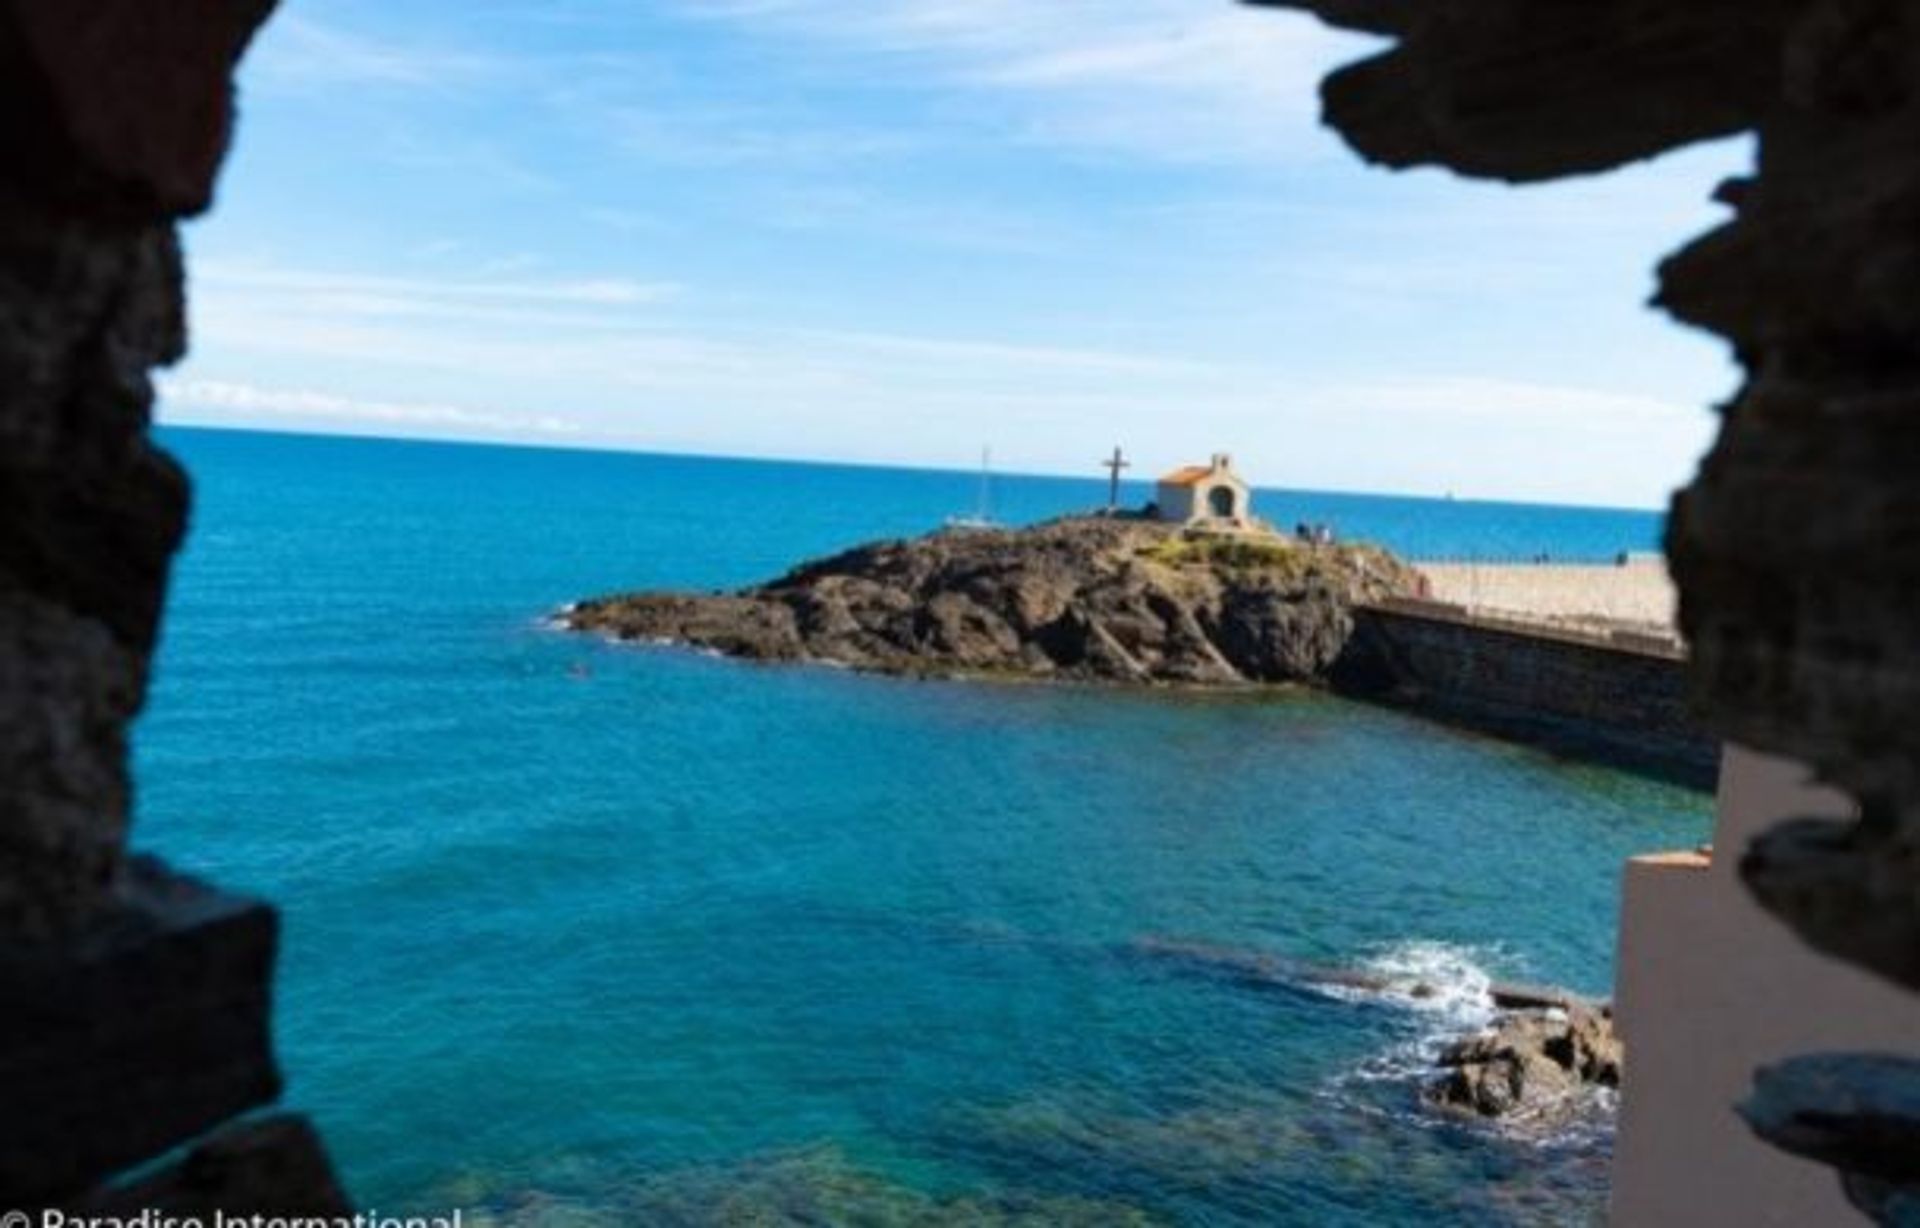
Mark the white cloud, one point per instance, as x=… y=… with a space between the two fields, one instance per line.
x=1166 y=78
x=296 y=52
x=777 y=390
x=593 y=291
x=873 y=215
x=729 y=134
x=1468 y=399
x=1333 y=327
x=782 y=366
x=228 y=401
x=626 y=221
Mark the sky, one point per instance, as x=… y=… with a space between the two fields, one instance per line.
x=899 y=231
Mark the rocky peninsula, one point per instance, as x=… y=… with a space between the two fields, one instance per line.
x=1091 y=598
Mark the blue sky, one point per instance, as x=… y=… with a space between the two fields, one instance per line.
x=898 y=230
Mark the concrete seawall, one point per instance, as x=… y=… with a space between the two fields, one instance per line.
x=1617 y=698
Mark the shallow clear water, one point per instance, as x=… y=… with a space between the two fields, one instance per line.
x=650 y=936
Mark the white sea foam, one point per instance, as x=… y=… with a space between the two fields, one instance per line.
x=1433 y=978
x=1444 y=986
x=1447 y=991
x=1436 y=978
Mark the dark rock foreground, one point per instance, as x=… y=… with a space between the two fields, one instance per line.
x=1090 y=598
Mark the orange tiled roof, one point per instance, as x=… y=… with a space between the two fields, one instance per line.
x=1192 y=475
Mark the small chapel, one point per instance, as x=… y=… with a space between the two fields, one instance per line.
x=1206 y=496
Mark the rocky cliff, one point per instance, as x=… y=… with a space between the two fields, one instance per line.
x=1090 y=598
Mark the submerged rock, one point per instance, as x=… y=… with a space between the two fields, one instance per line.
x=818 y=1185
x=1090 y=598
x=1529 y=1062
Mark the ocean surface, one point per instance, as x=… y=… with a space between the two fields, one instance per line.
x=583 y=933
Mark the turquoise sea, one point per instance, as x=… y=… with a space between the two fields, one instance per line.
x=582 y=933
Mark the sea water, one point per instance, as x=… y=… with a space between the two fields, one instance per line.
x=594 y=933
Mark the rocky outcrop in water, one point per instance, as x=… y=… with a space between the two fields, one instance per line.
x=1531 y=1066
x=1092 y=598
x=1529 y=1063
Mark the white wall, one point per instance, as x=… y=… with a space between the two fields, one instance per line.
x=1710 y=987
x=1180 y=503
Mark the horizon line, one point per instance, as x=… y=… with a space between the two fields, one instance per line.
x=615 y=448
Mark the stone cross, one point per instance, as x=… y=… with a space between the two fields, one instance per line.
x=1113 y=465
